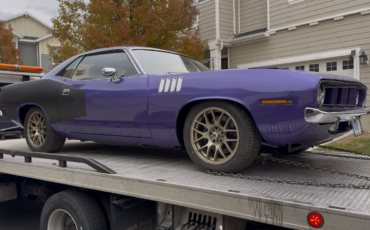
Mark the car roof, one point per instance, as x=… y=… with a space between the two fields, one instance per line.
x=130 y=48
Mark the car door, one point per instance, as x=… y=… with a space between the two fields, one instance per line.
x=112 y=108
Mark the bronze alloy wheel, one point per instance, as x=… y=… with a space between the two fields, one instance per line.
x=214 y=135
x=36 y=129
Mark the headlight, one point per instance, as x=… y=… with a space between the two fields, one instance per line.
x=320 y=96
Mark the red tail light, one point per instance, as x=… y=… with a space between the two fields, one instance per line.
x=315 y=219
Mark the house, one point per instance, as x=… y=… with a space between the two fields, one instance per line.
x=31 y=36
x=312 y=35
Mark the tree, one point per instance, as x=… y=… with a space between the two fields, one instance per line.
x=160 y=24
x=8 y=53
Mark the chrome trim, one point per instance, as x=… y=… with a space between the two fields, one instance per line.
x=101 y=51
x=313 y=115
x=167 y=85
x=13 y=127
x=179 y=84
x=161 y=85
x=110 y=72
x=133 y=63
x=173 y=84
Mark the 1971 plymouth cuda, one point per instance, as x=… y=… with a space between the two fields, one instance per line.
x=148 y=96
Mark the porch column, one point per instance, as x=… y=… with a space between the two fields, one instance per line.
x=215 y=47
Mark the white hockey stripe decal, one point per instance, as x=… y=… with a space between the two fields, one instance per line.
x=161 y=85
x=167 y=85
x=170 y=84
x=179 y=84
x=173 y=84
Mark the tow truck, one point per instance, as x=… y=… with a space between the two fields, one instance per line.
x=135 y=187
x=10 y=74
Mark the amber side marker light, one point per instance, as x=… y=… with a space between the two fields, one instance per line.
x=315 y=219
x=279 y=101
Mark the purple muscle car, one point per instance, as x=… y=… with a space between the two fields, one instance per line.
x=148 y=96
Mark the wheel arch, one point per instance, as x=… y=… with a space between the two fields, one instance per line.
x=24 y=108
x=185 y=109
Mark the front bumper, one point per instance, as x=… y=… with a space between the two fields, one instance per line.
x=313 y=115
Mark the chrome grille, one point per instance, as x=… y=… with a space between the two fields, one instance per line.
x=343 y=94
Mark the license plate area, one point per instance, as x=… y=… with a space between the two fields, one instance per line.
x=356 y=125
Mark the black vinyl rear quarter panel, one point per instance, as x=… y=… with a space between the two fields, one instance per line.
x=47 y=94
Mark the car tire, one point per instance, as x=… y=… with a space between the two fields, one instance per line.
x=72 y=207
x=236 y=155
x=39 y=134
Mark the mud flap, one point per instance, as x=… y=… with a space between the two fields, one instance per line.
x=128 y=213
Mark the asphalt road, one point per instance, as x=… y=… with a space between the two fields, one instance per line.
x=20 y=214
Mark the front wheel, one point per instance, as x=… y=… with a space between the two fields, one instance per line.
x=221 y=136
x=40 y=136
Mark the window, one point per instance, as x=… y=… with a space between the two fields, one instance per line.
x=314 y=68
x=153 y=61
x=195 y=21
x=331 y=66
x=224 y=63
x=68 y=71
x=301 y=67
x=92 y=65
x=348 y=64
x=195 y=18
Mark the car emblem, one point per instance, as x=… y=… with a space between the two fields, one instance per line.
x=65 y=92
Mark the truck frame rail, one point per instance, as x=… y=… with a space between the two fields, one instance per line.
x=168 y=175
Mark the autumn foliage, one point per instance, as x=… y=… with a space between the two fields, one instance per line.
x=8 y=53
x=164 y=24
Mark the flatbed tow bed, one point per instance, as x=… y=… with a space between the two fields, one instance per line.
x=169 y=176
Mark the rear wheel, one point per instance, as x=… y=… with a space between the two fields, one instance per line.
x=72 y=210
x=221 y=136
x=40 y=136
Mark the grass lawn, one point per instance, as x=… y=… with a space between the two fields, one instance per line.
x=359 y=144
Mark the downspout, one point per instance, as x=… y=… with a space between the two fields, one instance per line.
x=239 y=14
x=217 y=2
x=268 y=15
x=234 y=25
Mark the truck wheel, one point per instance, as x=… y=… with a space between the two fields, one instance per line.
x=221 y=136
x=40 y=136
x=72 y=210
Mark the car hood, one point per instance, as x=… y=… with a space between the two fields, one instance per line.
x=333 y=77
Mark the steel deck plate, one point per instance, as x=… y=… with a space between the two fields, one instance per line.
x=168 y=175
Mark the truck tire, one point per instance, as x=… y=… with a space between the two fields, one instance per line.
x=40 y=136
x=72 y=209
x=221 y=136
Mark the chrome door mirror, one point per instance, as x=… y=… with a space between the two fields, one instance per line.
x=110 y=72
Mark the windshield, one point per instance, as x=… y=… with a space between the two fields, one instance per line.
x=162 y=62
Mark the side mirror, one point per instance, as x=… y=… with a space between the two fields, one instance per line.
x=110 y=72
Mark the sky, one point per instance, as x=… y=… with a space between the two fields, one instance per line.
x=42 y=9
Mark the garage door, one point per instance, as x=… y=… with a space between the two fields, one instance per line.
x=28 y=53
x=339 y=66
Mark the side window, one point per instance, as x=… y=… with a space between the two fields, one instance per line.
x=67 y=71
x=91 y=66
